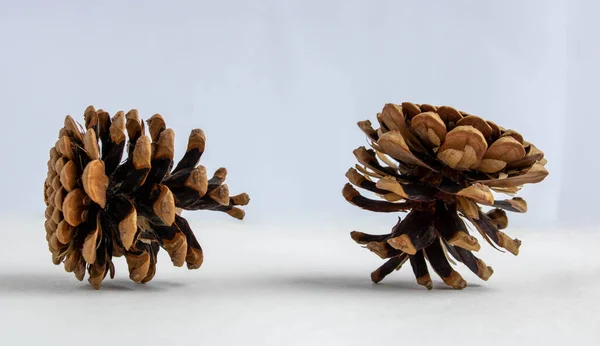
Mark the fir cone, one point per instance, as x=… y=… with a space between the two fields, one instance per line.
x=439 y=165
x=98 y=207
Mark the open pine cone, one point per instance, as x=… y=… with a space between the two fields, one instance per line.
x=439 y=164
x=99 y=207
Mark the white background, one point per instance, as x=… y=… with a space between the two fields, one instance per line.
x=278 y=87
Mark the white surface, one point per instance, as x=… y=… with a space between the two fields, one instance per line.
x=303 y=287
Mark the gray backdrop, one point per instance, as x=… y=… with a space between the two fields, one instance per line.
x=279 y=85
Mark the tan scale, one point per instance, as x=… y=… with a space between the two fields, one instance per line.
x=89 y=245
x=498 y=216
x=220 y=195
x=481 y=125
x=74 y=207
x=448 y=114
x=198 y=180
x=90 y=145
x=367 y=128
x=138 y=265
x=177 y=249
x=465 y=241
x=394 y=145
x=194 y=258
x=396 y=114
x=142 y=154
x=69 y=176
x=95 y=182
x=128 y=228
x=425 y=281
x=64 y=232
x=378 y=248
x=515 y=135
x=165 y=145
x=478 y=193
x=430 y=128
x=484 y=271
x=156 y=125
x=403 y=243
x=241 y=199
x=133 y=124
x=455 y=280
x=391 y=184
x=164 y=207
x=463 y=148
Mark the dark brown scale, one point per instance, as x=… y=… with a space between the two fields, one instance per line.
x=387 y=268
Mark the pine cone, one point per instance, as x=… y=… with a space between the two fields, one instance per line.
x=99 y=207
x=439 y=164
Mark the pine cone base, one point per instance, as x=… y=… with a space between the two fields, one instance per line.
x=439 y=165
x=98 y=207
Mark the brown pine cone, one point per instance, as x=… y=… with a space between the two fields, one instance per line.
x=98 y=207
x=439 y=164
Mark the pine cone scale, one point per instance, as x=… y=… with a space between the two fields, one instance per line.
x=388 y=267
x=95 y=182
